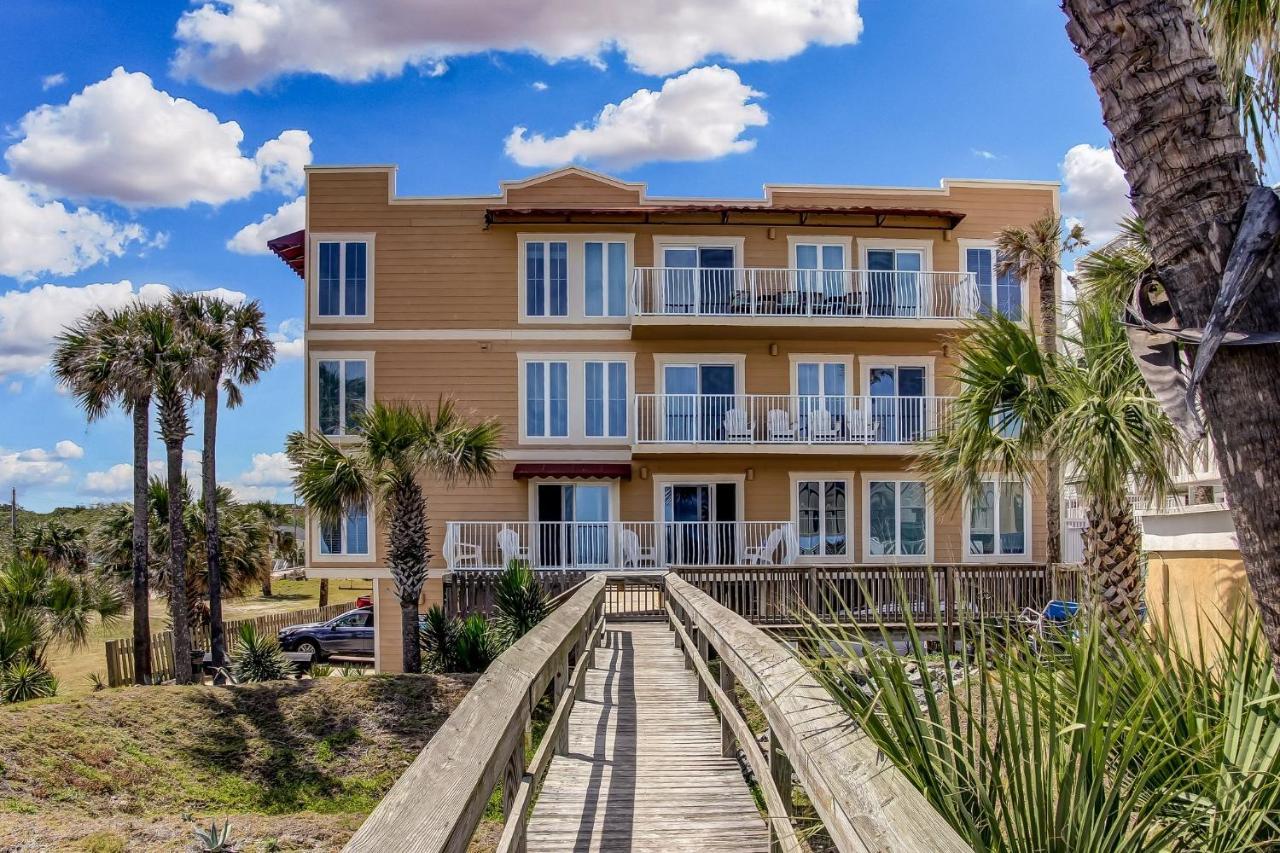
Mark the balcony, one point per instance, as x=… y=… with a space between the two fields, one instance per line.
x=640 y=545
x=677 y=297
x=785 y=422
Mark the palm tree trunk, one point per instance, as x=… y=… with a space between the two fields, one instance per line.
x=141 y=515
x=212 y=542
x=1053 y=468
x=324 y=592
x=1112 y=561
x=173 y=428
x=407 y=559
x=1176 y=136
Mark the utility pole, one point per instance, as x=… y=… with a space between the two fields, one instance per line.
x=13 y=518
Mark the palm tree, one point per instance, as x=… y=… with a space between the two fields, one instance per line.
x=1245 y=37
x=1176 y=133
x=1088 y=406
x=400 y=444
x=103 y=359
x=61 y=545
x=231 y=348
x=284 y=543
x=1038 y=248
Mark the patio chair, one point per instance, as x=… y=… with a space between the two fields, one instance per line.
x=760 y=555
x=510 y=547
x=862 y=427
x=634 y=554
x=737 y=427
x=822 y=426
x=781 y=427
x=1056 y=617
x=790 y=302
x=461 y=555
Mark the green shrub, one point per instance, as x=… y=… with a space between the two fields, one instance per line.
x=1094 y=744
x=257 y=657
x=25 y=679
x=321 y=670
x=474 y=644
x=519 y=603
x=438 y=636
x=215 y=839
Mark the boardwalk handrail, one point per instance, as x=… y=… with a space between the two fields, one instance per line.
x=482 y=743
x=866 y=804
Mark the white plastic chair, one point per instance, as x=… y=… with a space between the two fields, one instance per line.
x=635 y=555
x=790 y=546
x=461 y=554
x=760 y=555
x=862 y=427
x=781 y=427
x=737 y=427
x=823 y=427
x=509 y=545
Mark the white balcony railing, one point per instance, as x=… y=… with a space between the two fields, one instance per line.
x=786 y=419
x=760 y=292
x=619 y=544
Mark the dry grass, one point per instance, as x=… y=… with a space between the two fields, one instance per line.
x=74 y=666
x=294 y=764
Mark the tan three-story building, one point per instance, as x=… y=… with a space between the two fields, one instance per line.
x=681 y=381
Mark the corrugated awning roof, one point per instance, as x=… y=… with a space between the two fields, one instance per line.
x=611 y=470
x=657 y=214
x=292 y=249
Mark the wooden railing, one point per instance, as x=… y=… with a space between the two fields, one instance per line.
x=120 y=652
x=864 y=802
x=438 y=802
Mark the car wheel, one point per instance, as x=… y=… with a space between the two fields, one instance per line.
x=309 y=646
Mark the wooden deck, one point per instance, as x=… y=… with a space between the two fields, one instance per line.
x=644 y=770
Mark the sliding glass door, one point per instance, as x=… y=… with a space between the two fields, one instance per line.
x=893 y=282
x=898 y=403
x=698 y=279
x=572 y=528
x=697 y=396
x=699 y=523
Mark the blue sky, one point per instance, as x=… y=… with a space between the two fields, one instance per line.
x=106 y=180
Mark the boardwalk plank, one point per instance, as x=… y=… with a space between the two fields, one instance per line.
x=644 y=770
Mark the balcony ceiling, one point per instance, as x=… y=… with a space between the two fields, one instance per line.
x=730 y=214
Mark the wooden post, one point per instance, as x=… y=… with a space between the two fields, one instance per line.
x=812 y=602
x=561 y=685
x=780 y=772
x=689 y=630
x=727 y=748
x=704 y=652
x=510 y=786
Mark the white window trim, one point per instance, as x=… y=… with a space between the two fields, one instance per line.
x=675 y=241
x=846 y=477
x=925 y=247
x=604 y=402
x=615 y=501
x=577 y=394
x=313 y=541
x=966 y=521
x=799 y=358
x=661 y=481
x=576 y=272
x=662 y=359
x=867 y=362
x=313 y=382
x=930 y=520
x=313 y=276
x=966 y=243
x=794 y=240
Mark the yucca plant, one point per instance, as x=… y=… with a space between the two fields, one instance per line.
x=215 y=839
x=438 y=635
x=257 y=657
x=1096 y=746
x=473 y=646
x=519 y=603
x=26 y=679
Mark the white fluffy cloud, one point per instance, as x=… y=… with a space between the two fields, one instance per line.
x=1094 y=191
x=252 y=239
x=114 y=482
x=699 y=115
x=236 y=44
x=51 y=80
x=38 y=466
x=123 y=139
x=288 y=339
x=30 y=319
x=41 y=235
x=269 y=469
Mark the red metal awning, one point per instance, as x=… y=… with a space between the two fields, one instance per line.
x=611 y=470
x=292 y=249
x=729 y=214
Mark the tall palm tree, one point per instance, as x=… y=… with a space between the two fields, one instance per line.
x=400 y=444
x=103 y=359
x=230 y=348
x=1176 y=134
x=1038 y=248
x=1245 y=38
x=63 y=546
x=1089 y=406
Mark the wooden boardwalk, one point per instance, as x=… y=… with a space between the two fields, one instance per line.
x=644 y=771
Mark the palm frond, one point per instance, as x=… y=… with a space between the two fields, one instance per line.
x=328 y=480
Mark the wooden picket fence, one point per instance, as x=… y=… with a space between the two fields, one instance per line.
x=120 y=652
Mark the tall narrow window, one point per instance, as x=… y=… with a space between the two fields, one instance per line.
x=342 y=279
x=821 y=268
x=897 y=518
x=606 y=279
x=547 y=398
x=999 y=292
x=606 y=399
x=347 y=535
x=341 y=390
x=546 y=276
x=998 y=519
x=822 y=517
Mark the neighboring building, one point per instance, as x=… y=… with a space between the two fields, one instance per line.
x=1195 y=574
x=681 y=381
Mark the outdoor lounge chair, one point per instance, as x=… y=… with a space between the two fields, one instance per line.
x=1056 y=616
x=510 y=547
x=461 y=555
x=781 y=427
x=760 y=555
x=822 y=426
x=634 y=554
x=737 y=427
